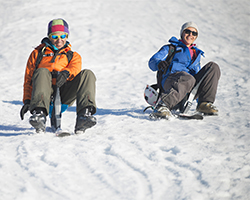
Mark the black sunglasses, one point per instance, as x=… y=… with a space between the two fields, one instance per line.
x=187 y=31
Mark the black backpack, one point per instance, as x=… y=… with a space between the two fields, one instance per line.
x=160 y=73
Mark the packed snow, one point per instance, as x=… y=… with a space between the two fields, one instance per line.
x=126 y=156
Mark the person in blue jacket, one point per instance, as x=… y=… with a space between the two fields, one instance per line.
x=183 y=73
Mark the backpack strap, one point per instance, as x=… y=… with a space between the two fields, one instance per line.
x=69 y=55
x=41 y=54
x=171 y=52
x=39 y=58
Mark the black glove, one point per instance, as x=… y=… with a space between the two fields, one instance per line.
x=163 y=65
x=62 y=78
x=25 y=108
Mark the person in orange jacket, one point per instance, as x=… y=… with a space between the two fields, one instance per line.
x=48 y=66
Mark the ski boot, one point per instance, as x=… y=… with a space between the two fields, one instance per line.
x=38 y=121
x=207 y=108
x=161 y=111
x=84 y=121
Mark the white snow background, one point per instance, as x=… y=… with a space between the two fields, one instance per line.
x=127 y=156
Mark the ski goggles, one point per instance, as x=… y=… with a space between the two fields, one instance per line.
x=56 y=37
x=187 y=31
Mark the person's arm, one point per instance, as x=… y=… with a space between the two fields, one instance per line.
x=158 y=57
x=30 y=67
x=74 y=67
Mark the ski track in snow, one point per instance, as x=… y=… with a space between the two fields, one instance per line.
x=127 y=156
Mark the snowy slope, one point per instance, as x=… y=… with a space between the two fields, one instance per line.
x=127 y=156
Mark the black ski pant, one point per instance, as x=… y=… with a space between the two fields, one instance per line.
x=81 y=88
x=179 y=84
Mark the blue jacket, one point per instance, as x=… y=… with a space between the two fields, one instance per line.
x=181 y=61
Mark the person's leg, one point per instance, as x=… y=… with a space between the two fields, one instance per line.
x=40 y=99
x=208 y=88
x=177 y=86
x=82 y=89
x=41 y=90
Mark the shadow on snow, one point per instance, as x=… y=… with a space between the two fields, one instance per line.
x=14 y=131
x=130 y=112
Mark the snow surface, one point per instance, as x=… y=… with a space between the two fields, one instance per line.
x=127 y=156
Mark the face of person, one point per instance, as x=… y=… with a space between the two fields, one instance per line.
x=58 y=39
x=189 y=35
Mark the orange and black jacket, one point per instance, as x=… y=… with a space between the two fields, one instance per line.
x=60 y=63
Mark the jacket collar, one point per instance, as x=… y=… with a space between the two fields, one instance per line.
x=48 y=43
x=176 y=42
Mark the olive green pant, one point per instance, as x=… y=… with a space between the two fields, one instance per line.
x=81 y=89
